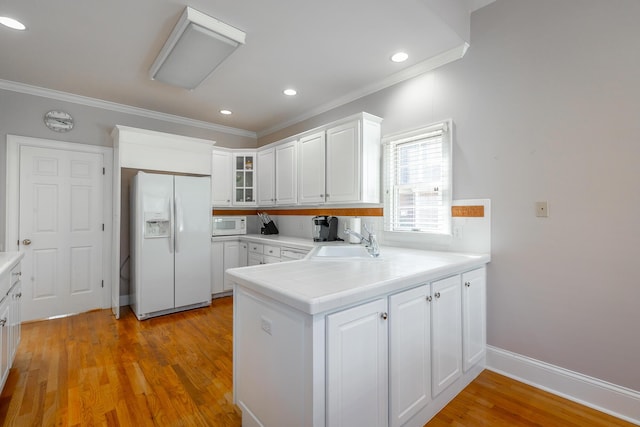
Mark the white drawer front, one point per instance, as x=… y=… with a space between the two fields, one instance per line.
x=256 y=248
x=273 y=251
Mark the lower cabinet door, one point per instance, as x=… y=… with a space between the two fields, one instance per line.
x=474 y=314
x=4 y=340
x=409 y=353
x=446 y=351
x=357 y=369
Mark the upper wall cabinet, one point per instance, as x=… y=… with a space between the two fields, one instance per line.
x=244 y=184
x=266 y=177
x=341 y=163
x=277 y=178
x=221 y=174
x=286 y=173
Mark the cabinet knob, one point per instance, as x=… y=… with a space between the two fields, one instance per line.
x=384 y=316
x=467 y=284
x=429 y=298
x=3 y=322
x=437 y=295
x=26 y=242
x=18 y=273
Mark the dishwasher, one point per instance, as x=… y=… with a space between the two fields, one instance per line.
x=291 y=254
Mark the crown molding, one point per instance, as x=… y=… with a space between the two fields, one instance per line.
x=120 y=108
x=406 y=74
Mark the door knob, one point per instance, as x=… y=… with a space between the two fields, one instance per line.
x=26 y=242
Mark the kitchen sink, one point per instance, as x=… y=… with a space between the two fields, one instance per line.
x=350 y=252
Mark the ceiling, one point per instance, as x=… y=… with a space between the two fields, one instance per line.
x=331 y=52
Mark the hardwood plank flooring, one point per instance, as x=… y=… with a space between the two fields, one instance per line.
x=91 y=370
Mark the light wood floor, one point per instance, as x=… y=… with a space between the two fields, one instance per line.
x=175 y=370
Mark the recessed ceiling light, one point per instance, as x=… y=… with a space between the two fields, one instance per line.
x=225 y=112
x=289 y=92
x=12 y=23
x=399 y=57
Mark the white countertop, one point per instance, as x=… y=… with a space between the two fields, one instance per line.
x=317 y=286
x=272 y=239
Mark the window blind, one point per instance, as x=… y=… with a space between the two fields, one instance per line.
x=418 y=180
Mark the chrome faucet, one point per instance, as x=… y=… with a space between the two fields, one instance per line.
x=372 y=242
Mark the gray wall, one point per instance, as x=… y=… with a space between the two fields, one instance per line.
x=21 y=114
x=546 y=106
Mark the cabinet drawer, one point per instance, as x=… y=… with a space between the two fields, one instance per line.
x=16 y=273
x=273 y=251
x=256 y=248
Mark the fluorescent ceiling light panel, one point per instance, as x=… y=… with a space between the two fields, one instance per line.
x=195 y=48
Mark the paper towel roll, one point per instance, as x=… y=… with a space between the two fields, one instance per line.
x=354 y=225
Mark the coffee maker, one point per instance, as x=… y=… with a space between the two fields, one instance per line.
x=325 y=228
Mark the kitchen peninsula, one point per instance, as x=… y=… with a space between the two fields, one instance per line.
x=378 y=341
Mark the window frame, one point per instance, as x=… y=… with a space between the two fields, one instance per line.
x=444 y=130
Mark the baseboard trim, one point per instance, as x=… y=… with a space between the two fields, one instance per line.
x=606 y=397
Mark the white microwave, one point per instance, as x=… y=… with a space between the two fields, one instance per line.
x=229 y=225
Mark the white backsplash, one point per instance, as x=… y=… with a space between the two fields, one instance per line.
x=469 y=234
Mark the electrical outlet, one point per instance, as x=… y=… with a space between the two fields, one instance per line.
x=542 y=209
x=265 y=324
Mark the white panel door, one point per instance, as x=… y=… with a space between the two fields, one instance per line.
x=311 y=184
x=357 y=371
x=409 y=353
x=193 y=240
x=343 y=163
x=446 y=333
x=61 y=205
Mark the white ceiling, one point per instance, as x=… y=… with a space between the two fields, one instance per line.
x=329 y=51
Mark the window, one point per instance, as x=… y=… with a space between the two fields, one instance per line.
x=417 y=179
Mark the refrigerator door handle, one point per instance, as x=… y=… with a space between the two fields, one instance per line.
x=179 y=221
x=172 y=226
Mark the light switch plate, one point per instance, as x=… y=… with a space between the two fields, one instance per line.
x=542 y=209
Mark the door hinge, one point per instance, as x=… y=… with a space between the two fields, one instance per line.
x=102 y=227
x=103 y=283
x=103 y=171
x=18 y=242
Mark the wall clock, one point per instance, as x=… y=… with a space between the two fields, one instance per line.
x=58 y=121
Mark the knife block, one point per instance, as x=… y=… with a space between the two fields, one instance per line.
x=269 y=228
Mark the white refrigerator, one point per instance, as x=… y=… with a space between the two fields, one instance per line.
x=170 y=243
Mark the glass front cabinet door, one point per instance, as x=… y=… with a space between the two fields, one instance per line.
x=244 y=189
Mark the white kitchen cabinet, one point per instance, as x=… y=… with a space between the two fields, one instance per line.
x=5 y=339
x=244 y=181
x=235 y=255
x=286 y=176
x=446 y=338
x=225 y=255
x=341 y=164
x=409 y=353
x=15 y=316
x=221 y=175
x=266 y=177
x=311 y=164
x=10 y=318
x=217 y=267
x=357 y=368
x=474 y=313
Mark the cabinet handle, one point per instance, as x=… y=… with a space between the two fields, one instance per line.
x=384 y=316
x=19 y=273
x=437 y=295
x=467 y=284
x=429 y=298
x=3 y=322
x=327 y=196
